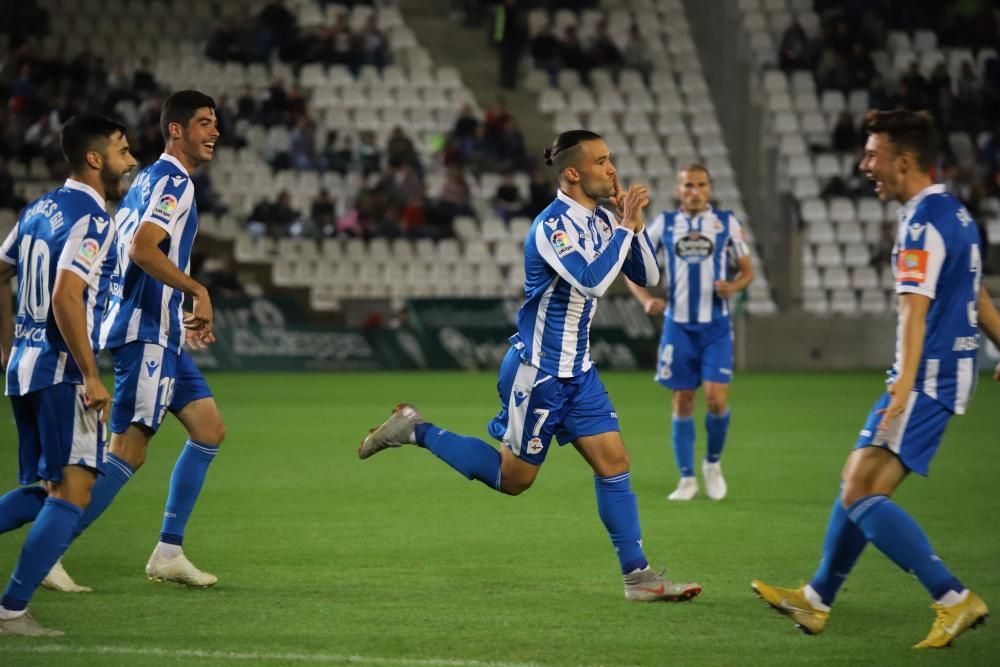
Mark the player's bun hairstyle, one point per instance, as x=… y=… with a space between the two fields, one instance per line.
x=562 y=147
x=912 y=131
x=82 y=132
x=181 y=107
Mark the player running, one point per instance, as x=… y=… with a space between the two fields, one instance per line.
x=938 y=269
x=145 y=330
x=696 y=347
x=548 y=384
x=63 y=251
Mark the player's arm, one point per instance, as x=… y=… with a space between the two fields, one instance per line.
x=71 y=317
x=989 y=322
x=640 y=266
x=592 y=279
x=6 y=314
x=742 y=280
x=145 y=252
x=653 y=305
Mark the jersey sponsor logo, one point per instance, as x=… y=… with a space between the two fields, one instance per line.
x=535 y=445
x=165 y=206
x=177 y=180
x=561 y=243
x=694 y=248
x=87 y=252
x=31 y=332
x=916 y=229
x=966 y=344
x=963 y=216
x=912 y=266
x=718 y=225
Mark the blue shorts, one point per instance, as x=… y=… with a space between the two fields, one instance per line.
x=149 y=381
x=694 y=353
x=914 y=436
x=537 y=406
x=55 y=429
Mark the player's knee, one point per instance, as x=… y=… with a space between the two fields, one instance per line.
x=211 y=434
x=515 y=487
x=716 y=405
x=683 y=403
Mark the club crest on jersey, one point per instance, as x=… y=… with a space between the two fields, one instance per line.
x=694 y=248
x=165 y=206
x=604 y=227
x=561 y=243
x=87 y=252
x=912 y=266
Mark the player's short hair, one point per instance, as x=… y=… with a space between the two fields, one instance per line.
x=81 y=134
x=695 y=166
x=181 y=108
x=911 y=131
x=564 y=148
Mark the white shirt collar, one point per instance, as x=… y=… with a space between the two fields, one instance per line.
x=907 y=209
x=574 y=204
x=685 y=216
x=73 y=184
x=174 y=161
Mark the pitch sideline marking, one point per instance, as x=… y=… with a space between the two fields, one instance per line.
x=253 y=656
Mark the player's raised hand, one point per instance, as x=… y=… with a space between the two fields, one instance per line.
x=897 y=406
x=617 y=198
x=636 y=199
x=96 y=397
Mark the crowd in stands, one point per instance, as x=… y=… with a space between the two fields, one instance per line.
x=553 y=53
x=275 y=31
x=963 y=102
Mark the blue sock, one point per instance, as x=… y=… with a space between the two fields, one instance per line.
x=21 y=506
x=683 y=437
x=185 y=485
x=46 y=542
x=898 y=536
x=842 y=546
x=619 y=512
x=472 y=457
x=717 y=427
x=116 y=473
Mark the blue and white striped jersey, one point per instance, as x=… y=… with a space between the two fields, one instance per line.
x=66 y=229
x=142 y=308
x=937 y=254
x=698 y=250
x=571 y=257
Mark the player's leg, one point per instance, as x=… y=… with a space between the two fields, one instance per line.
x=716 y=373
x=678 y=370
x=591 y=424
x=872 y=474
x=65 y=431
x=20 y=506
x=196 y=409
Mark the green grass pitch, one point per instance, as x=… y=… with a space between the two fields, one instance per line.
x=324 y=559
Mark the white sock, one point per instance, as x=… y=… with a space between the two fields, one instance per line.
x=413 y=436
x=8 y=615
x=952 y=598
x=814 y=599
x=169 y=550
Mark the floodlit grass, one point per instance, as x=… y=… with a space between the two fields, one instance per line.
x=399 y=560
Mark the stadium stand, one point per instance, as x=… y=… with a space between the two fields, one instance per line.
x=822 y=65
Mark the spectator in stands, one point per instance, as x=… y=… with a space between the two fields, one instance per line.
x=302 y=144
x=338 y=152
x=218 y=274
x=883 y=248
x=8 y=197
x=143 y=81
x=273 y=218
x=508 y=149
x=339 y=45
x=636 y=53
x=413 y=218
x=374 y=45
x=399 y=149
x=205 y=197
x=274 y=107
x=572 y=54
x=603 y=51
x=541 y=192
x=369 y=156
x=860 y=65
x=793 y=52
x=454 y=198
x=323 y=213
x=507 y=200
x=509 y=38
x=831 y=72
x=42 y=139
x=246 y=105
x=545 y=53
x=845 y=136
x=226 y=43
x=22 y=91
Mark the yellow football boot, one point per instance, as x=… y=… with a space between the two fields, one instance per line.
x=954 y=620
x=792 y=602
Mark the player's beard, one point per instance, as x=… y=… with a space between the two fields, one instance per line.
x=114 y=184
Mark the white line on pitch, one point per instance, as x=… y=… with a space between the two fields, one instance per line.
x=256 y=657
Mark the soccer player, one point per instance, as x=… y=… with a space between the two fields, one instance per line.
x=696 y=346
x=938 y=270
x=548 y=384
x=63 y=251
x=145 y=330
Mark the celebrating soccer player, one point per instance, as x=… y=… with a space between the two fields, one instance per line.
x=63 y=250
x=938 y=270
x=697 y=342
x=145 y=330
x=548 y=384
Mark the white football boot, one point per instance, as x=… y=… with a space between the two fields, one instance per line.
x=58 y=579
x=715 y=483
x=686 y=489
x=177 y=569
